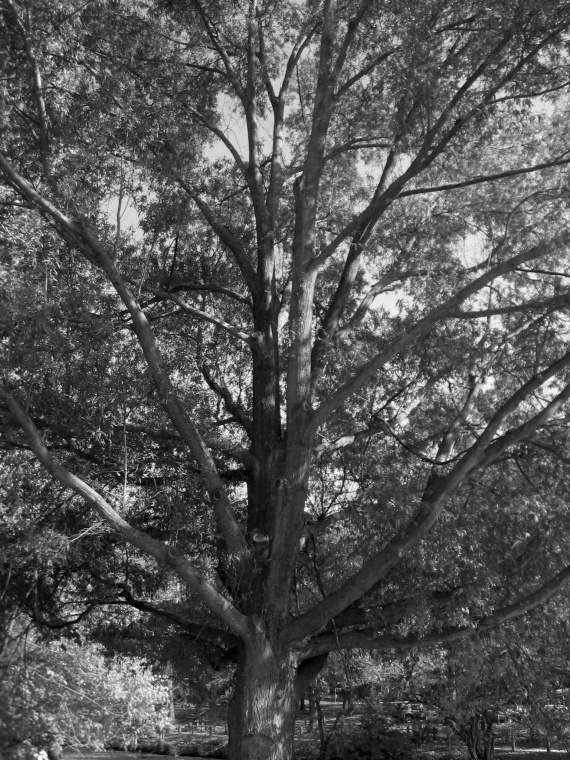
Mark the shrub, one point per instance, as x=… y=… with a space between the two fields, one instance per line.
x=53 y=694
x=368 y=741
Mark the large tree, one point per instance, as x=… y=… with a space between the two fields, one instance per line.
x=286 y=304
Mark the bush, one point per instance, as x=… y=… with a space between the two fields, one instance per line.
x=368 y=742
x=54 y=694
x=214 y=748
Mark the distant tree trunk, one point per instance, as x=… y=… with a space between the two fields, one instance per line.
x=323 y=738
x=171 y=713
x=312 y=708
x=477 y=733
x=347 y=703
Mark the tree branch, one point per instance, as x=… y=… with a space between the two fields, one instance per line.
x=423 y=326
x=217 y=636
x=563 y=299
x=43 y=121
x=166 y=295
x=329 y=642
x=437 y=493
x=214 y=36
x=507 y=174
x=364 y=224
x=358 y=143
x=366 y=70
x=225 y=140
x=225 y=235
x=240 y=455
x=165 y=555
x=515 y=435
x=375 y=427
x=86 y=240
x=210 y=288
x=231 y=405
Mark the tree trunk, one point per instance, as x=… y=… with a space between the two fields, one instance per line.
x=171 y=712
x=262 y=711
x=479 y=738
x=312 y=708
x=323 y=738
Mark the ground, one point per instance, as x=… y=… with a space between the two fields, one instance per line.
x=202 y=732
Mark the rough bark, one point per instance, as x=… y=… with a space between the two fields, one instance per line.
x=262 y=711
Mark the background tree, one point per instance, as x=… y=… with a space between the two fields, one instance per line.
x=286 y=311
